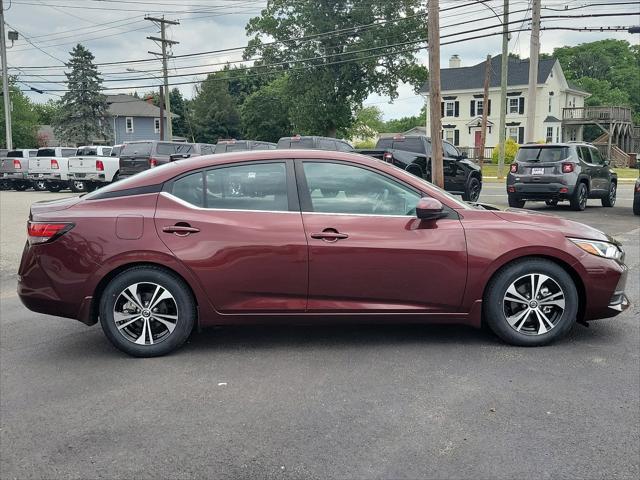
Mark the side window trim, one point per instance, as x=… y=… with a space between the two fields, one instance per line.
x=305 y=197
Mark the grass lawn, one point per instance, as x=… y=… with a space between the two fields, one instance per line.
x=491 y=170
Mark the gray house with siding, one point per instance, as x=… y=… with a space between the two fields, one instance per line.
x=134 y=119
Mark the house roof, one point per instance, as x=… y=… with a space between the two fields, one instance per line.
x=574 y=86
x=123 y=105
x=467 y=78
x=552 y=119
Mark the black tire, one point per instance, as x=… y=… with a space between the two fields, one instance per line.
x=472 y=192
x=636 y=204
x=20 y=186
x=515 y=202
x=181 y=295
x=610 y=199
x=78 y=186
x=579 y=198
x=495 y=315
x=39 y=185
x=5 y=185
x=54 y=187
x=551 y=203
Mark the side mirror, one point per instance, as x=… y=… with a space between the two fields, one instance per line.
x=607 y=162
x=429 y=209
x=178 y=156
x=463 y=156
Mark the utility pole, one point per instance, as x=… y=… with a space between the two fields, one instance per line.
x=502 y=134
x=163 y=43
x=485 y=109
x=534 y=51
x=161 y=113
x=5 y=82
x=435 y=97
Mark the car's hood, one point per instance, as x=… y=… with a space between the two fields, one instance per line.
x=549 y=222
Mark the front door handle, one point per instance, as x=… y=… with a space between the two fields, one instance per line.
x=329 y=235
x=180 y=230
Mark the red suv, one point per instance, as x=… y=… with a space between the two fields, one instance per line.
x=253 y=237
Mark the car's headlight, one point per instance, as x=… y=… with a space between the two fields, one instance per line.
x=601 y=249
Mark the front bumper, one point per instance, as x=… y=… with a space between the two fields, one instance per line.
x=540 y=191
x=88 y=177
x=605 y=288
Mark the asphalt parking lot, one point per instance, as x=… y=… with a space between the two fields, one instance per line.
x=320 y=402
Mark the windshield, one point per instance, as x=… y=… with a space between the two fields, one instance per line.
x=542 y=154
x=46 y=152
x=136 y=148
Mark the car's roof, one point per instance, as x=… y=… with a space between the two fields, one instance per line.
x=559 y=144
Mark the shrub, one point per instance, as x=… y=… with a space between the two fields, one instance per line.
x=510 y=150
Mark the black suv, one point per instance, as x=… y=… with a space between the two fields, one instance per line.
x=556 y=172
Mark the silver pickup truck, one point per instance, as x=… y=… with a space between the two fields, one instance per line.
x=14 y=167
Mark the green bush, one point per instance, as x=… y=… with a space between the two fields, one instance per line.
x=510 y=150
x=366 y=145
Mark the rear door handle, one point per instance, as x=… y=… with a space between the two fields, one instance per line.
x=180 y=230
x=329 y=235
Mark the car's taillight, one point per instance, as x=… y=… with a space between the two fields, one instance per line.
x=567 y=167
x=54 y=164
x=17 y=165
x=514 y=168
x=42 y=232
x=387 y=156
x=153 y=162
x=99 y=166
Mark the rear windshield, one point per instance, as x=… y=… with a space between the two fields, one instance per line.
x=15 y=153
x=136 y=148
x=542 y=154
x=46 y=152
x=87 y=151
x=295 y=143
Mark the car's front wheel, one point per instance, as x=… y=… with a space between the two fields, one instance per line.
x=147 y=311
x=531 y=302
x=610 y=199
x=472 y=192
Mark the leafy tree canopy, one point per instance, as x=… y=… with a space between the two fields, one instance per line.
x=367 y=123
x=83 y=113
x=215 y=113
x=329 y=75
x=24 y=120
x=265 y=113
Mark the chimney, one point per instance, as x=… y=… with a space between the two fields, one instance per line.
x=455 y=62
x=149 y=99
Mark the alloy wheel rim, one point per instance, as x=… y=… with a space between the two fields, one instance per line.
x=79 y=185
x=533 y=304
x=145 y=313
x=475 y=190
x=583 y=196
x=612 y=193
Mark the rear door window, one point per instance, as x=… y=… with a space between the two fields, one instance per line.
x=584 y=154
x=261 y=186
x=106 y=151
x=136 y=149
x=190 y=188
x=68 y=152
x=596 y=157
x=450 y=151
x=183 y=147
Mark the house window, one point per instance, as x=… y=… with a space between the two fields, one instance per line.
x=129 y=124
x=156 y=125
x=573 y=134
x=549 y=134
x=512 y=133
x=514 y=105
x=449 y=109
x=449 y=134
x=550 y=101
x=479 y=107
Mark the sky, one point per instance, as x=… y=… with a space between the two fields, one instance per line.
x=115 y=31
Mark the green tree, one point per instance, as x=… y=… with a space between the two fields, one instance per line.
x=326 y=90
x=179 y=108
x=215 y=113
x=83 y=112
x=265 y=113
x=24 y=120
x=367 y=123
x=403 y=124
x=47 y=112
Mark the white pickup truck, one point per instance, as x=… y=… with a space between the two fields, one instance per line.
x=49 y=169
x=93 y=167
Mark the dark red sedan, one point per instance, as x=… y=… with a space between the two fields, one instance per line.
x=305 y=236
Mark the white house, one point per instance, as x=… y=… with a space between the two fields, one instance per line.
x=462 y=105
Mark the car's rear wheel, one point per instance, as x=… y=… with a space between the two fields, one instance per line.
x=531 y=302
x=610 y=199
x=78 y=186
x=5 y=185
x=515 y=202
x=20 y=186
x=472 y=192
x=579 y=197
x=53 y=186
x=40 y=185
x=147 y=312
